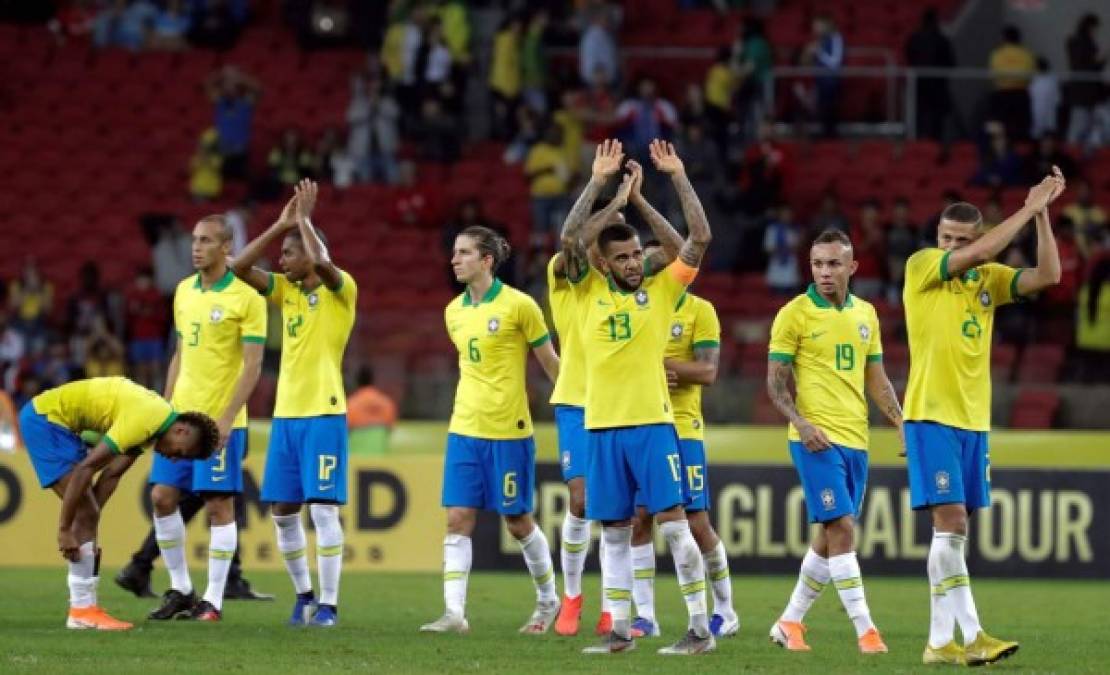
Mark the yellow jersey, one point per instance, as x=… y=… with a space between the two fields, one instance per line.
x=694 y=326
x=126 y=415
x=212 y=326
x=949 y=323
x=570 y=386
x=829 y=347
x=317 y=324
x=624 y=336
x=493 y=338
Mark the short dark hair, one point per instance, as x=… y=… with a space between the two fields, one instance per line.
x=1011 y=33
x=652 y=242
x=489 y=243
x=220 y=220
x=833 y=235
x=208 y=434
x=615 y=232
x=962 y=212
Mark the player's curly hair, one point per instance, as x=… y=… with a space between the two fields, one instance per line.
x=208 y=434
x=489 y=243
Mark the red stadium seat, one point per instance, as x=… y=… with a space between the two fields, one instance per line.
x=1041 y=364
x=1034 y=409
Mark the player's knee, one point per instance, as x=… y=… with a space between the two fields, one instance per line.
x=520 y=526
x=641 y=528
x=840 y=536
x=325 y=518
x=460 y=521
x=950 y=518
x=164 y=500
x=576 y=503
x=702 y=530
x=221 y=510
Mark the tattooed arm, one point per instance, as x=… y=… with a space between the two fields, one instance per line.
x=699 y=236
x=882 y=393
x=702 y=370
x=669 y=238
x=778 y=377
x=574 y=261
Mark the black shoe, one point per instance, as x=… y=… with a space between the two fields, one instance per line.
x=240 y=589
x=175 y=605
x=136 y=580
x=204 y=611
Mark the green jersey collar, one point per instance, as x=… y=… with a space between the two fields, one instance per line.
x=494 y=289
x=821 y=302
x=614 y=287
x=221 y=283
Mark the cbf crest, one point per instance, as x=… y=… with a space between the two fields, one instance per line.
x=493 y=325
x=313 y=300
x=217 y=314
x=864 y=332
x=828 y=499
x=985 y=298
x=641 y=298
x=943 y=481
x=676 y=330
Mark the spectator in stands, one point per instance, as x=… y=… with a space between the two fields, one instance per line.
x=105 y=356
x=505 y=76
x=56 y=367
x=694 y=109
x=433 y=64
x=1012 y=66
x=1092 y=335
x=205 y=168
x=902 y=239
x=1000 y=165
x=644 y=118
x=326 y=147
x=436 y=134
x=416 y=203
x=1088 y=217
x=289 y=161
x=597 y=50
x=124 y=24
x=30 y=303
x=217 y=23
x=172 y=257
x=829 y=215
x=1044 y=100
x=781 y=241
x=237 y=218
x=72 y=21
x=374 y=136
x=400 y=45
x=1084 y=98
x=234 y=95
x=929 y=47
x=527 y=133
x=170 y=26
x=456 y=29
x=533 y=62
x=765 y=169
x=869 y=246
x=92 y=303
x=721 y=83
x=12 y=349
x=826 y=53
x=1047 y=154
x=705 y=169
x=368 y=406
x=598 y=107
x=755 y=62
x=146 y=329
x=572 y=125
x=548 y=177
x=1061 y=297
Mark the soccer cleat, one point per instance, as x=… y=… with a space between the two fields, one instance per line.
x=175 y=605
x=303 y=609
x=94 y=617
x=985 y=649
x=950 y=654
x=240 y=589
x=205 y=611
x=611 y=644
x=604 y=624
x=448 y=623
x=569 y=614
x=135 y=579
x=871 y=642
x=326 y=616
x=642 y=627
x=789 y=634
x=719 y=626
x=542 y=618
x=690 y=644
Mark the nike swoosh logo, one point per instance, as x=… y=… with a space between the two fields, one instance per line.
x=817 y=333
x=325 y=488
x=217 y=479
x=603 y=303
x=508 y=503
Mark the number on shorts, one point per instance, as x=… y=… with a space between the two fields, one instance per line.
x=695 y=477
x=508 y=488
x=676 y=465
x=221 y=463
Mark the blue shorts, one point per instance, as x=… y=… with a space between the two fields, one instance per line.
x=630 y=466
x=54 y=449
x=140 y=351
x=697 y=474
x=306 y=460
x=947 y=465
x=574 y=442
x=222 y=472
x=834 y=480
x=499 y=476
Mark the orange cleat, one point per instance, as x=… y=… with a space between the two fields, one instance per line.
x=569 y=613
x=82 y=618
x=604 y=624
x=872 y=643
x=791 y=635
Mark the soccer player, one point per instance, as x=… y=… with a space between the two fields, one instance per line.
x=306 y=462
x=829 y=339
x=221 y=327
x=691 y=360
x=570 y=388
x=633 y=446
x=951 y=294
x=128 y=419
x=491 y=456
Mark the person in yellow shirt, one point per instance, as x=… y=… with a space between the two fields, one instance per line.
x=829 y=339
x=490 y=462
x=950 y=295
x=1012 y=66
x=548 y=173
x=220 y=323
x=506 y=74
x=307 y=458
x=129 y=419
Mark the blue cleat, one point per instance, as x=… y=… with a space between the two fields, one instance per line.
x=303 y=610
x=719 y=626
x=325 y=616
x=642 y=627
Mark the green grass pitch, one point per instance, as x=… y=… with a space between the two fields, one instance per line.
x=1060 y=625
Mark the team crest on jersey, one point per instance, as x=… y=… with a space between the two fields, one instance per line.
x=641 y=297
x=864 y=332
x=943 y=481
x=697 y=424
x=313 y=300
x=216 y=314
x=828 y=499
x=494 y=325
x=676 y=330
x=985 y=299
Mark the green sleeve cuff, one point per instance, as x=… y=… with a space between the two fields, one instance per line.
x=1014 y=295
x=944 y=266
x=703 y=344
x=339 y=286
x=269 y=285
x=254 y=339
x=110 y=443
x=540 y=340
x=874 y=358
x=781 y=356
x=583 y=271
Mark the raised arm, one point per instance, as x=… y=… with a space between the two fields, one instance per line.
x=988 y=246
x=607 y=162
x=317 y=253
x=882 y=393
x=702 y=370
x=1047 y=271
x=548 y=359
x=243 y=264
x=778 y=378
x=80 y=479
x=669 y=238
x=697 y=240
x=600 y=220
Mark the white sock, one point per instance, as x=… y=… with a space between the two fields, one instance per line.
x=942 y=622
x=572 y=553
x=691 y=574
x=457 y=556
x=600 y=558
x=846 y=576
x=222 y=540
x=643 y=580
x=82 y=578
x=616 y=577
x=812 y=578
x=716 y=568
x=292 y=543
x=537 y=556
x=170 y=533
x=329 y=550
x=957 y=584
